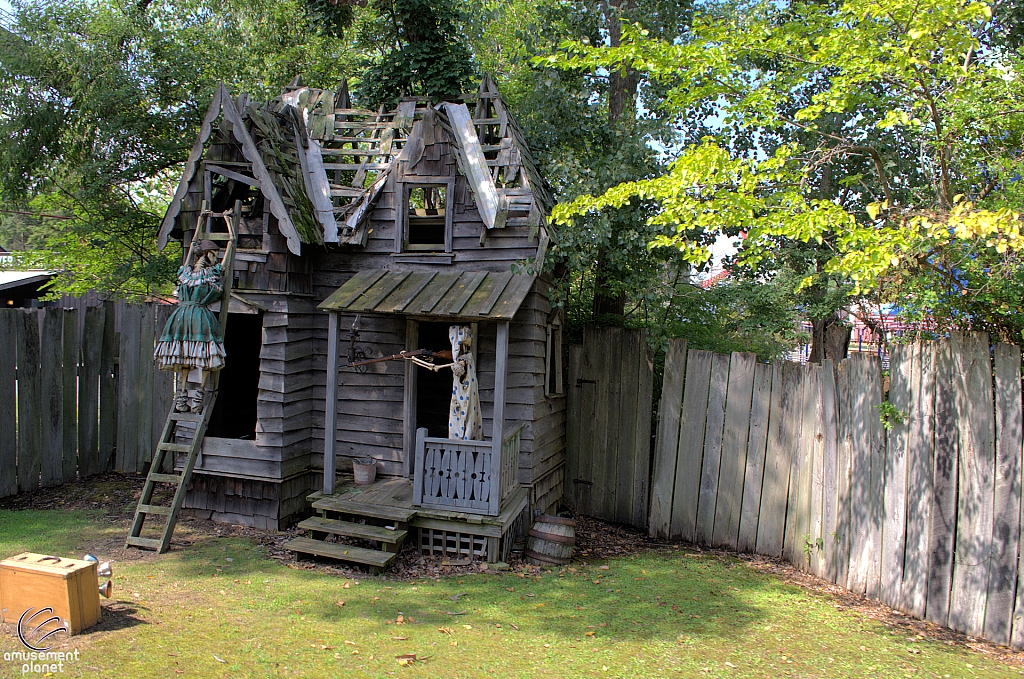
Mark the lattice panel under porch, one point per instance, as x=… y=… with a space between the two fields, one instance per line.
x=452 y=544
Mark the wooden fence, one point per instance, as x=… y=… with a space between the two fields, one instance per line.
x=609 y=425
x=68 y=379
x=913 y=497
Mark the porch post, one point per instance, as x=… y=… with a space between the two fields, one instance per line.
x=498 y=427
x=331 y=405
x=412 y=330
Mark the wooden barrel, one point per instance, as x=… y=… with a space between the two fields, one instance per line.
x=551 y=540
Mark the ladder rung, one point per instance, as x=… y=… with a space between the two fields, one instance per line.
x=212 y=236
x=174 y=447
x=165 y=478
x=186 y=417
x=155 y=509
x=150 y=543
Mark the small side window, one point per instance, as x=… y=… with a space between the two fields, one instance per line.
x=553 y=379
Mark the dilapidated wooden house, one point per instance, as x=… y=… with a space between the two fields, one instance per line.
x=363 y=234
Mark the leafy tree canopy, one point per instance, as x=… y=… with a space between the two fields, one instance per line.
x=915 y=121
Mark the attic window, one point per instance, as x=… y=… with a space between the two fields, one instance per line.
x=426 y=216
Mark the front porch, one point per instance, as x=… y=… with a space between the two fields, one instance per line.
x=383 y=517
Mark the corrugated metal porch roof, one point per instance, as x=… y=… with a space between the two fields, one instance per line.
x=448 y=294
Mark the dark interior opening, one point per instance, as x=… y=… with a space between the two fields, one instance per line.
x=234 y=413
x=426 y=216
x=433 y=389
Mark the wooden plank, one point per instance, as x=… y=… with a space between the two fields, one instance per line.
x=901 y=371
x=407 y=291
x=920 y=462
x=944 y=479
x=734 y=449
x=331 y=404
x=352 y=289
x=785 y=400
x=162 y=380
x=29 y=415
x=434 y=292
x=798 y=540
x=644 y=402
x=379 y=291
x=51 y=397
x=623 y=380
x=666 y=443
x=866 y=466
x=691 y=445
x=830 y=471
x=1006 y=528
x=493 y=209
x=409 y=399
x=108 y=399
x=844 y=454
x=9 y=323
x=976 y=484
x=498 y=422
x=712 y=448
x=573 y=423
x=70 y=395
x=817 y=449
x=128 y=383
x=596 y=419
x=757 y=442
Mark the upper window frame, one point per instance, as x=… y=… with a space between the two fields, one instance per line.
x=402 y=216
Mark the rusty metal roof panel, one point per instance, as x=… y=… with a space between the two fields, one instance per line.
x=449 y=294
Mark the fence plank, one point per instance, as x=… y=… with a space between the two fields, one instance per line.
x=588 y=434
x=829 y=472
x=817 y=565
x=666 y=444
x=901 y=370
x=920 y=462
x=734 y=449
x=944 y=478
x=602 y=476
x=1006 y=528
x=866 y=457
x=573 y=427
x=712 y=448
x=9 y=322
x=107 y=438
x=128 y=388
x=145 y=403
x=51 y=397
x=783 y=429
x=88 y=393
x=29 y=424
x=757 y=441
x=70 y=395
x=976 y=484
x=691 y=445
x=798 y=506
x=642 y=440
x=625 y=375
x=844 y=514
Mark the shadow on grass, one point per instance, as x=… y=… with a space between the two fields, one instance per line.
x=119 y=615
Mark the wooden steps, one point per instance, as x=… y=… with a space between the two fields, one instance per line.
x=348 y=507
x=354 y=530
x=375 y=559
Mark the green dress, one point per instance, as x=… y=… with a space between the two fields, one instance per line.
x=192 y=337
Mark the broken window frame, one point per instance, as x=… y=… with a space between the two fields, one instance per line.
x=402 y=217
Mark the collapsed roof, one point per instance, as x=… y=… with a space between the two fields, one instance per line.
x=320 y=164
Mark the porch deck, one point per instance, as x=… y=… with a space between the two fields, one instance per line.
x=388 y=502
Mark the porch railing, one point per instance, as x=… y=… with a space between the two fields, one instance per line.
x=462 y=475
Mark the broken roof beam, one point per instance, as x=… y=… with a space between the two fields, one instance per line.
x=493 y=209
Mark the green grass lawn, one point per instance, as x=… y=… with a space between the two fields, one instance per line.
x=221 y=608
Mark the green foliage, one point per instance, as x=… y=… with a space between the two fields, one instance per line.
x=890 y=415
x=102 y=103
x=421 y=52
x=790 y=95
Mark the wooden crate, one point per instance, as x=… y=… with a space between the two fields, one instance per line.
x=68 y=586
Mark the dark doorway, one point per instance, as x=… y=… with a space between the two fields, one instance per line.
x=234 y=413
x=434 y=389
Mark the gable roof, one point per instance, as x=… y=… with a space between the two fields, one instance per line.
x=321 y=164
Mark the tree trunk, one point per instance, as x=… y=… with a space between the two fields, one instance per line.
x=610 y=307
x=829 y=339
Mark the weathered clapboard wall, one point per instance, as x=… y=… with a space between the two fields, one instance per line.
x=609 y=432
x=794 y=461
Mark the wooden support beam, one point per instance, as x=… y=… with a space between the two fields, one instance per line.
x=331 y=404
x=498 y=427
x=412 y=338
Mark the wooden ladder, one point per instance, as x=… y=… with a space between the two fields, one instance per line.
x=195 y=429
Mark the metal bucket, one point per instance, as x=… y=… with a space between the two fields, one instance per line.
x=365 y=471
